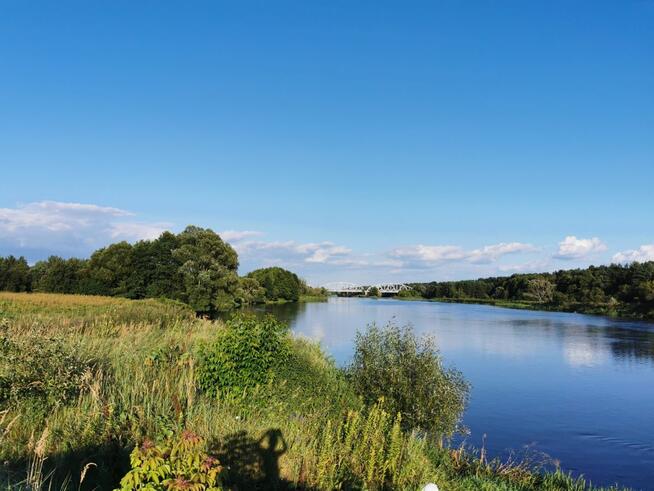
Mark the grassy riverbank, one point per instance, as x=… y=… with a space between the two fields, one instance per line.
x=603 y=309
x=302 y=299
x=85 y=379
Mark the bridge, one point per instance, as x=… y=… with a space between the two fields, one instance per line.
x=345 y=289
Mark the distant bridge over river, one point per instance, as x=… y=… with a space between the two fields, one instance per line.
x=345 y=289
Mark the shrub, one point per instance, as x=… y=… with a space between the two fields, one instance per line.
x=180 y=464
x=245 y=354
x=393 y=363
x=374 y=292
x=368 y=450
x=408 y=294
x=39 y=368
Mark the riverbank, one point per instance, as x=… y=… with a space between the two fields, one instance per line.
x=114 y=373
x=301 y=299
x=617 y=290
x=600 y=309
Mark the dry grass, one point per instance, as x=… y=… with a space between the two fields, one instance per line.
x=57 y=301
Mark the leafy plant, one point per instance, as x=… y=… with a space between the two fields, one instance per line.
x=179 y=464
x=244 y=355
x=367 y=449
x=408 y=372
x=39 y=368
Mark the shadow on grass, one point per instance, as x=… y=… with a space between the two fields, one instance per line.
x=96 y=467
x=254 y=464
x=248 y=464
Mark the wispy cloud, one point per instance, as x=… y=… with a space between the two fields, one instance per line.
x=642 y=254
x=69 y=228
x=304 y=256
x=278 y=252
x=573 y=248
x=238 y=235
x=430 y=255
x=538 y=266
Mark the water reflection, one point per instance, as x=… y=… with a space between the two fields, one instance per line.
x=583 y=337
x=576 y=387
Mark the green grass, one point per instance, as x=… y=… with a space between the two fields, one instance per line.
x=141 y=382
x=313 y=298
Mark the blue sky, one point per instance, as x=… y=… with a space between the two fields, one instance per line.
x=358 y=141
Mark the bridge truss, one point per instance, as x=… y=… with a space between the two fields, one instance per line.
x=344 y=288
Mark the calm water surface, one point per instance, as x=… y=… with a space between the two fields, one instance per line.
x=575 y=387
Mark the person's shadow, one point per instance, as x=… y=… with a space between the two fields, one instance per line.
x=269 y=454
x=251 y=464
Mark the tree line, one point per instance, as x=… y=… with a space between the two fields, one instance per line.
x=615 y=289
x=195 y=267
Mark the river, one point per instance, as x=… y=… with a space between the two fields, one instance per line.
x=576 y=388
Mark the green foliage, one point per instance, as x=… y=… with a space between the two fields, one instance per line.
x=278 y=283
x=408 y=294
x=14 y=274
x=624 y=290
x=195 y=266
x=146 y=386
x=208 y=268
x=310 y=293
x=540 y=290
x=41 y=369
x=368 y=450
x=250 y=292
x=392 y=363
x=245 y=355
x=179 y=464
x=108 y=270
x=373 y=291
x=57 y=275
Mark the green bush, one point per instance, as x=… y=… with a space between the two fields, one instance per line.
x=278 y=283
x=245 y=355
x=408 y=294
x=39 y=368
x=408 y=372
x=374 y=292
x=180 y=464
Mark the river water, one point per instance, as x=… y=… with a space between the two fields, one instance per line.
x=576 y=388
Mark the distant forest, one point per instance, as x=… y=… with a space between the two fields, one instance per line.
x=195 y=267
x=622 y=290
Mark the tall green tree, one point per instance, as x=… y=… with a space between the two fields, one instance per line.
x=208 y=268
x=108 y=271
x=57 y=275
x=14 y=274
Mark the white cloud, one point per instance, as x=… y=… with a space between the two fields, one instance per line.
x=642 y=254
x=573 y=248
x=429 y=255
x=291 y=252
x=492 y=253
x=238 y=235
x=538 y=266
x=53 y=227
x=137 y=230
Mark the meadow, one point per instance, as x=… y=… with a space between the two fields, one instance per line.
x=85 y=381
